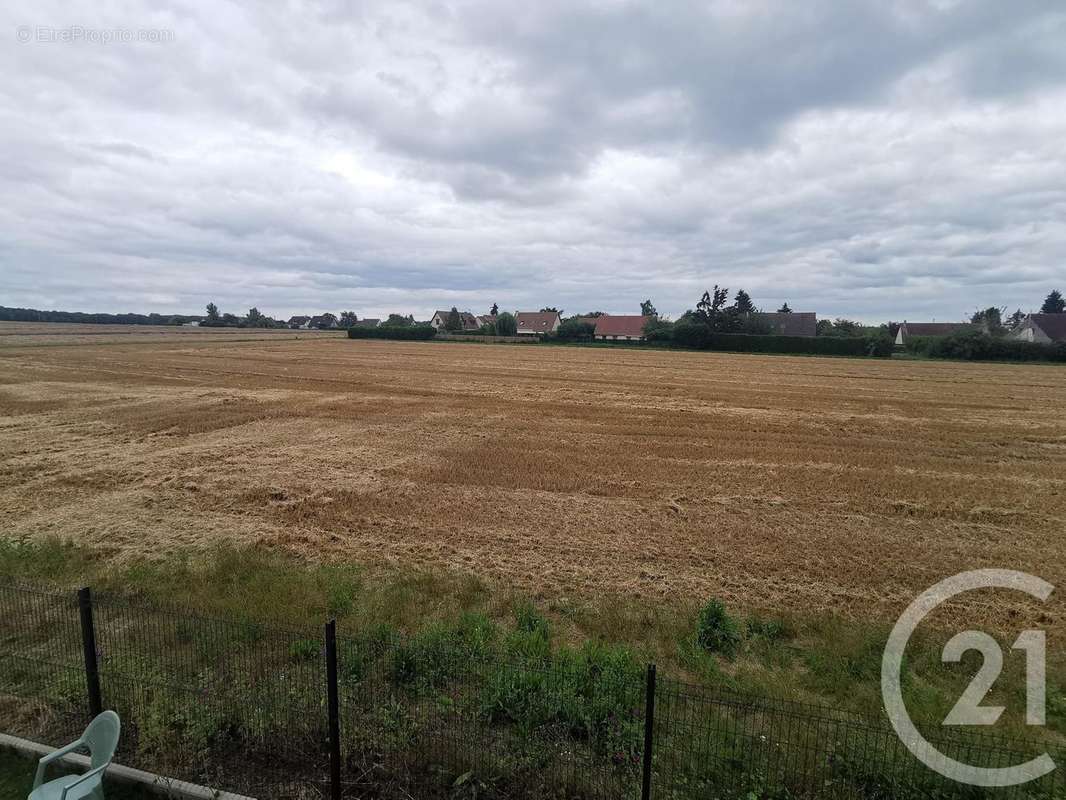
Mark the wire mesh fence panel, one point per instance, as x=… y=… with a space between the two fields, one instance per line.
x=718 y=743
x=236 y=706
x=42 y=672
x=450 y=712
x=436 y=721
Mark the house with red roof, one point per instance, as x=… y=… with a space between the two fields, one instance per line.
x=621 y=327
x=537 y=323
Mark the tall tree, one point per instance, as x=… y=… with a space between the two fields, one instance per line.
x=1053 y=303
x=784 y=309
x=742 y=303
x=710 y=305
x=991 y=319
x=454 y=321
x=254 y=318
x=348 y=319
x=711 y=310
x=506 y=324
x=1016 y=319
x=647 y=309
x=212 y=313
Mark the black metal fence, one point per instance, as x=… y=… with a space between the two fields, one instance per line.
x=274 y=713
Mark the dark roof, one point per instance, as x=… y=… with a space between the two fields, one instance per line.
x=621 y=325
x=536 y=321
x=937 y=328
x=469 y=321
x=298 y=320
x=796 y=323
x=368 y=323
x=1054 y=325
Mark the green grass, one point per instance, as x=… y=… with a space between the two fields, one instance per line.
x=16 y=780
x=546 y=684
x=816 y=658
x=16 y=776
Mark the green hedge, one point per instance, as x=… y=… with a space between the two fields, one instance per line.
x=573 y=330
x=977 y=346
x=404 y=332
x=699 y=337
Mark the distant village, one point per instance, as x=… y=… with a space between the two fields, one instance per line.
x=713 y=312
x=1048 y=325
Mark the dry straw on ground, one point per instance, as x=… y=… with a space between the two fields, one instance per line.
x=780 y=482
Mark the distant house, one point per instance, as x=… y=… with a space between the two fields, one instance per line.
x=300 y=323
x=468 y=320
x=191 y=324
x=367 y=323
x=622 y=327
x=794 y=323
x=909 y=329
x=535 y=323
x=322 y=322
x=486 y=319
x=1042 y=328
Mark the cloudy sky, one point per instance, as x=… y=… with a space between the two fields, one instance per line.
x=878 y=160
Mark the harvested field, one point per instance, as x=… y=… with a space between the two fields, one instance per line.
x=15 y=334
x=771 y=481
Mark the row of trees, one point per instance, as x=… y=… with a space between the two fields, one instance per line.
x=8 y=314
x=253 y=319
x=257 y=319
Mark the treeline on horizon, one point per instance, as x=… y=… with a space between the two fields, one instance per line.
x=213 y=318
x=8 y=314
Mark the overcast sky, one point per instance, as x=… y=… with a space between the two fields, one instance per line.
x=877 y=160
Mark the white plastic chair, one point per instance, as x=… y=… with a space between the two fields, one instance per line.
x=101 y=737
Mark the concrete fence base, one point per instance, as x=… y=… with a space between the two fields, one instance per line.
x=156 y=784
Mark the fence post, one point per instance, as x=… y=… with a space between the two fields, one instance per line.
x=334 y=711
x=649 y=733
x=88 y=646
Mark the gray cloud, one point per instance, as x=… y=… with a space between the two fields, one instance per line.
x=872 y=159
